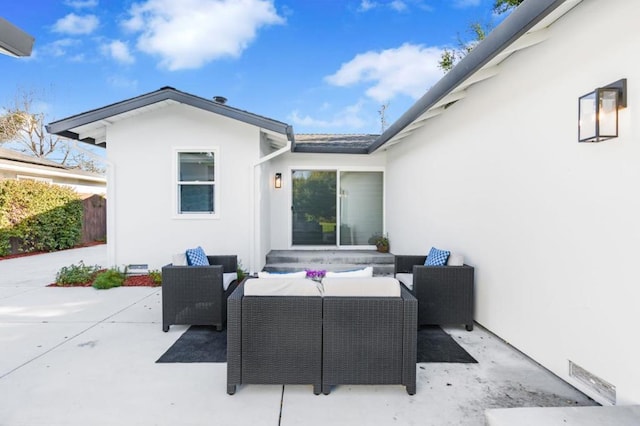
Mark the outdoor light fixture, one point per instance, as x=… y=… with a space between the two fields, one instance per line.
x=598 y=112
x=277 y=182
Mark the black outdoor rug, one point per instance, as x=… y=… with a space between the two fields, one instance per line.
x=202 y=343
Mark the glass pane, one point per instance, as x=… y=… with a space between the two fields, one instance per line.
x=587 y=118
x=196 y=198
x=608 y=112
x=314 y=207
x=196 y=166
x=360 y=207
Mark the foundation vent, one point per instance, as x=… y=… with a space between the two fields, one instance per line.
x=603 y=388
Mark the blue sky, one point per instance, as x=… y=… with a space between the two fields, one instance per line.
x=324 y=66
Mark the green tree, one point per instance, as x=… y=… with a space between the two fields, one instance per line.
x=450 y=57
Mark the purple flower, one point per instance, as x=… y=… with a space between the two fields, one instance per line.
x=316 y=275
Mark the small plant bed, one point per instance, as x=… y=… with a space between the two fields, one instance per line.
x=34 y=253
x=81 y=275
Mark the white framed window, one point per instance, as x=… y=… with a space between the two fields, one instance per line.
x=196 y=182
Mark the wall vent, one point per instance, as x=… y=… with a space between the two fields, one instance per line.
x=603 y=388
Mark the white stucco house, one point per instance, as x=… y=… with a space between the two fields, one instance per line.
x=18 y=166
x=486 y=163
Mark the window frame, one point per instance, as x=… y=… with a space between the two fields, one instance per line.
x=177 y=183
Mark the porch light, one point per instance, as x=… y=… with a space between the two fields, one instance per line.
x=277 y=182
x=598 y=112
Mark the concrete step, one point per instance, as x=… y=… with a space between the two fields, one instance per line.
x=329 y=260
x=378 y=269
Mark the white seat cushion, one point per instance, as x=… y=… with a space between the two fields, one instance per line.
x=358 y=273
x=370 y=287
x=455 y=259
x=228 y=278
x=265 y=274
x=406 y=279
x=281 y=287
x=179 y=259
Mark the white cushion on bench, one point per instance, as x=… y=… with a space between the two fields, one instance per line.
x=368 y=287
x=228 y=278
x=278 y=275
x=358 y=273
x=281 y=287
x=405 y=278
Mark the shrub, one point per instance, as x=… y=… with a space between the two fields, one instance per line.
x=108 y=279
x=156 y=277
x=76 y=274
x=38 y=216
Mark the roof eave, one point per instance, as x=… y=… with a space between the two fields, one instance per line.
x=523 y=18
x=14 y=41
x=64 y=127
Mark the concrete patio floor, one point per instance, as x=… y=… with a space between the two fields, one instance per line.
x=79 y=356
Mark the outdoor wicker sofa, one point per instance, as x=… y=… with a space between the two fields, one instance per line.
x=322 y=341
x=444 y=293
x=369 y=340
x=274 y=340
x=194 y=295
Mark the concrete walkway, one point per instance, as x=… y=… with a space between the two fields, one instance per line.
x=80 y=356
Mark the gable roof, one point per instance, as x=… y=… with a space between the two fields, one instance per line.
x=524 y=27
x=90 y=126
x=333 y=144
x=18 y=162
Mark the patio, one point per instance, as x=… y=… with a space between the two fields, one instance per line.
x=77 y=356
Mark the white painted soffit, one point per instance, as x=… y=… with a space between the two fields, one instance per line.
x=275 y=140
x=98 y=129
x=537 y=34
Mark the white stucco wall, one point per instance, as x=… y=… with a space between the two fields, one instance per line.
x=551 y=225
x=280 y=204
x=143 y=227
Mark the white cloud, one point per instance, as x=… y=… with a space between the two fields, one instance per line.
x=60 y=47
x=348 y=117
x=75 y=24
x=461 y=4
x=366 y=5
x=190 y=33
x=409 y=70
x=398 y=5
x=119 y=51
x=81 y=4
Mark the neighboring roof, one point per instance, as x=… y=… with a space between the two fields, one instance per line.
x=14 y=41
x=333 y=144
x=18 y=162
x=90 y=126
x=523 y=28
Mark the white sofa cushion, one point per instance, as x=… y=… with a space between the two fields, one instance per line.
x=455 y=259
x=228 y=278
x=281 y=287
x=358 y=273
x=179 y=259
x=265 y=274
x=371 y=287
x=405 y=278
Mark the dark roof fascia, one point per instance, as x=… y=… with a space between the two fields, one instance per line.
x=61 y=127
x=521 y=20
x=14 y=40
x=315 y=149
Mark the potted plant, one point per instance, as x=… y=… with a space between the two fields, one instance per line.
x=381 y=242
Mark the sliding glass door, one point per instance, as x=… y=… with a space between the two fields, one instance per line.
x=336 y=208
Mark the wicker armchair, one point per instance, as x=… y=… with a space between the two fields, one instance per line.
x=369 y=340
x=274 y=340
x=194 y=295
x=444 y=293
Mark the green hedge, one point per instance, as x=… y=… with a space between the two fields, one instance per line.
x=38 y=216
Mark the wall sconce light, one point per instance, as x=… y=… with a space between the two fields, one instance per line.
x=598 y=112
x=277 y=182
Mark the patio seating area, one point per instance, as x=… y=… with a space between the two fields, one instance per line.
x=77 y=356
